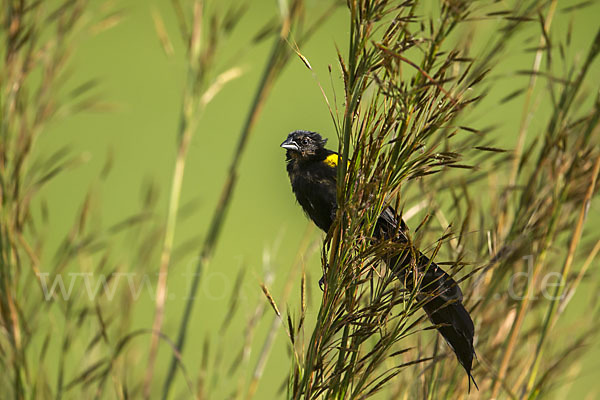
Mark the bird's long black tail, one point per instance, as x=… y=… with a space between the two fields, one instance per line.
x=439 y=293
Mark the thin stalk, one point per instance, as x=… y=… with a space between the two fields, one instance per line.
x=551 y=315
x=304 y=250
x=586 y=265
x=187 y=128
x=526 y=116
x=274 y=65
x=516 y=328
x=312 y=354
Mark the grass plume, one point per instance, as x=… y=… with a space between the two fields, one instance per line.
x=407 y=84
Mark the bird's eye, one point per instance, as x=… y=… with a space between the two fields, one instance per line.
x=305 y=141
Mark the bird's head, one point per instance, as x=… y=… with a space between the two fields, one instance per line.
x=304 y=144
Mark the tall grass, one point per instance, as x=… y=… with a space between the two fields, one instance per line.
x=37 y=43
x=95 y=347
x=291 y=22
x=200 y=89
x=478 y=200
x=408 y=85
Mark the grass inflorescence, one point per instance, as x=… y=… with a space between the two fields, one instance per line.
x=502 y=207
x=409 y=83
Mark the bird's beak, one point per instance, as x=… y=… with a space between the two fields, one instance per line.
x=289 y=144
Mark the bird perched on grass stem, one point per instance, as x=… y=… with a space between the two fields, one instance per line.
x=312 y=170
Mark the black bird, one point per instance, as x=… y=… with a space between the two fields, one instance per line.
x=313 y=171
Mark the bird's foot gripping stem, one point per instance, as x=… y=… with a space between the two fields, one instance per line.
x=322 y=281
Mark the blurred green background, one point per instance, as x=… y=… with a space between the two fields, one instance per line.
x=141 y=88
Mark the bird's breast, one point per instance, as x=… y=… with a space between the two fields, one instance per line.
x=315 y=193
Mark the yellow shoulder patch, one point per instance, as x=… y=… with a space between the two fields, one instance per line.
x=332 y=160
